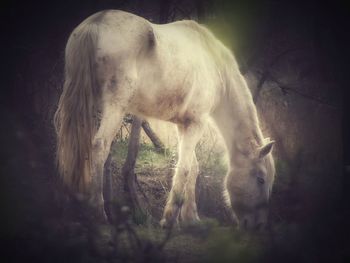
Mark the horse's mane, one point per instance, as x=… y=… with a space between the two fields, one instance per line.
x=221 y=55
x=230 y=76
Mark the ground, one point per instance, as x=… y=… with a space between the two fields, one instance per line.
x=154 y=173
x=36 y=227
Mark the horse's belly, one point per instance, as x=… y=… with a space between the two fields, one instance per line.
x=174 y=103
x=159 y=103
x=171 y=86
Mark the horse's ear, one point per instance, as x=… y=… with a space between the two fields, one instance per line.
x=266 y=149
x=267 y=139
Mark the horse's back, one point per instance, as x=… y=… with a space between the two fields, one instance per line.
x=120 y=32
x=173 y=67
x=182 y=78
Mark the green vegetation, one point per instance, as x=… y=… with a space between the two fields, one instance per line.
x=147 y=157
x=205 y=241
x=209 y=240
x=218 y=244
x=211 y=161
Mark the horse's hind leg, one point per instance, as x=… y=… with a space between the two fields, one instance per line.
x=114 y=101
x=100 y=232
x=110 y=123
x=189 y=136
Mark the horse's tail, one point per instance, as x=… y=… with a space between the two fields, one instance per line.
x=74 y=119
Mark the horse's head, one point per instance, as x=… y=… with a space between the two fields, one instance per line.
x=249 y=185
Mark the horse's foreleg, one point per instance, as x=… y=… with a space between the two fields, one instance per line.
x=189 y=208
x=189 y=136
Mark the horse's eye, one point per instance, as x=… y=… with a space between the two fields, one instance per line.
x=260 y=180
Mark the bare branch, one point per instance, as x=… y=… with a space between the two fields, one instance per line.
x=129 y=166
x=285 y=89
x=153 y=137
x=267 y=70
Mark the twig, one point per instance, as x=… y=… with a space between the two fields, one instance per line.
x=266 y=72
x=143 y=193
x=286 y=88
x=164 y=189
x=185 y=13
x=126 y=128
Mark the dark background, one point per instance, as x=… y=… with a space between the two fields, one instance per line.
x=33 y=38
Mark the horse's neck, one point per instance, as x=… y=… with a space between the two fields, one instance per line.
x=237 y=119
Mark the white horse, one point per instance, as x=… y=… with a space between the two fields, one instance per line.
x=117 y=62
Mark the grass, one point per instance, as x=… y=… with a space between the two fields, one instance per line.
x=207 y=241
x=147 y=157
x=155 y=170
x=220 y=244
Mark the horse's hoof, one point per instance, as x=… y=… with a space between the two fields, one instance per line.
x=189 y=217
x=167 y=224
x=164 y=223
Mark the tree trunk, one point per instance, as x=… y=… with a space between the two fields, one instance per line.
x=129 y=166
x=157 y=143
x=108 y=187
x=153 y=137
